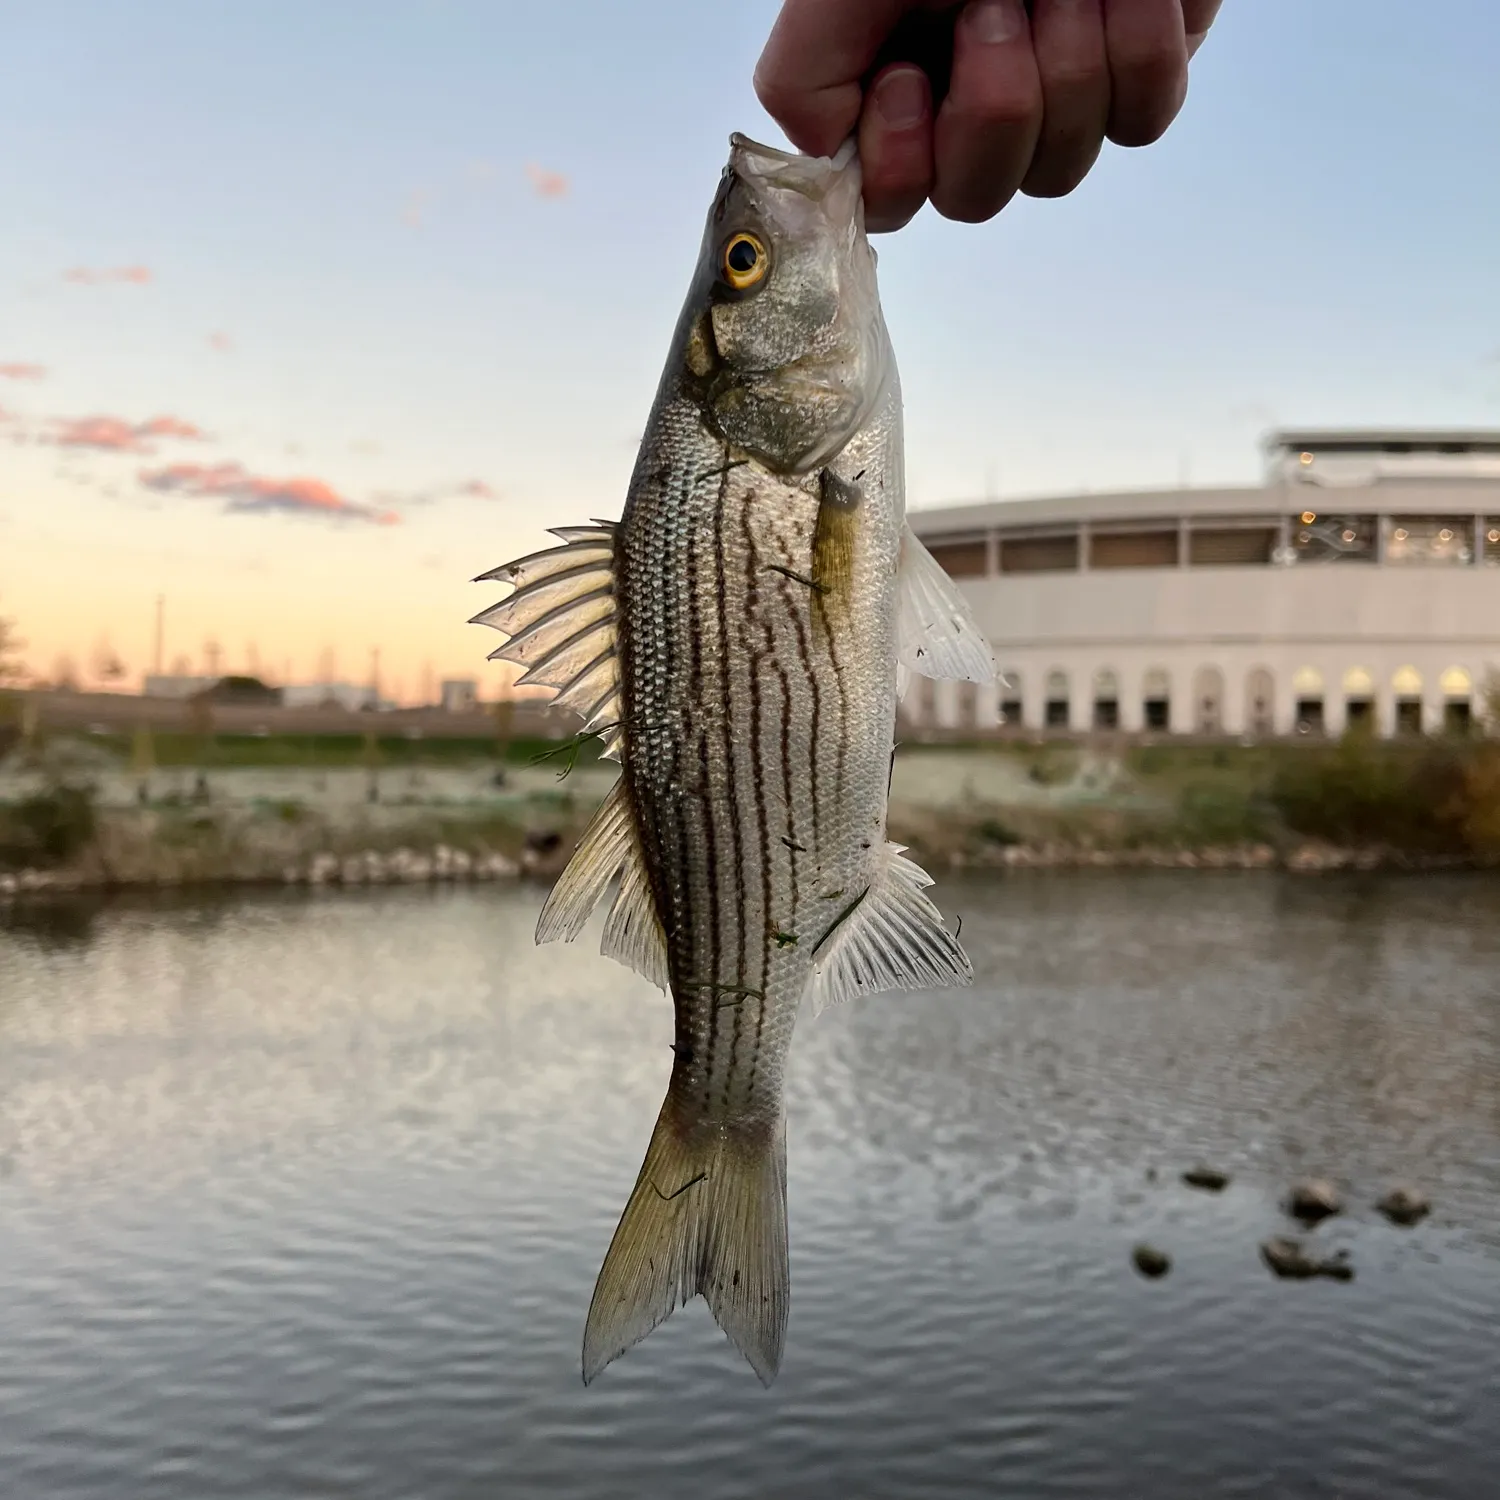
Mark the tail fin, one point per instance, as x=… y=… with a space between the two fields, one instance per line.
x=707 y=1214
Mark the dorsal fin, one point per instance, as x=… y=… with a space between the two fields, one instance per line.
x=561 y=621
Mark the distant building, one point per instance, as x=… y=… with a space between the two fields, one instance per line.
x=458 y=695
x=346 y=695
x=174 y=685
x=1359 y=583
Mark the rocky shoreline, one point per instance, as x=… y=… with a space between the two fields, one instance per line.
x=544 y=854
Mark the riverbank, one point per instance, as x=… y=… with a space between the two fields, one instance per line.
x=79 y=815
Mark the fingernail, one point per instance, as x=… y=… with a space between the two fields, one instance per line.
x=901 y=98
x=992 y=21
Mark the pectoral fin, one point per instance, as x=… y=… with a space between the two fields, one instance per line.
x=936 y=632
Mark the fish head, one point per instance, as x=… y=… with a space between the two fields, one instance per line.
x=783 y=331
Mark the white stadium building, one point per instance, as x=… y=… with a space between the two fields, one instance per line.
x=1359 y=582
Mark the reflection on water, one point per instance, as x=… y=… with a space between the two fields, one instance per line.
x=306 y=1197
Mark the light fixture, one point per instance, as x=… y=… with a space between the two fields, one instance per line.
x=1308 y=517
x=1348 y=536
x=1445 y=535
x=1494 y=536
x=1401 y=533
x=1305 y=459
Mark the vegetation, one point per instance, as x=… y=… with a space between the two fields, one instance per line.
x=49 y=828
x=10 y=649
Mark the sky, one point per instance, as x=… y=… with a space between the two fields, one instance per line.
x=311 y=313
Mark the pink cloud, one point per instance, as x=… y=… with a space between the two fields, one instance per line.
x=546 y=184
x=115 y=435
x=97 y=275
x=220 y=341
x=22 y=372
x=479 y=489
x=255 y=494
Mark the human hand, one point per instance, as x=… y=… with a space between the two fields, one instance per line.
x=967 y=104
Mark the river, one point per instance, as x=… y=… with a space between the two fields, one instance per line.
x=303 y=1195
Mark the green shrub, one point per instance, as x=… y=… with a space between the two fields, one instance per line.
x=47 y=828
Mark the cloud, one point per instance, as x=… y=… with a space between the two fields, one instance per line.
x=546 y=184
x=255 y=494
x=115 y=435
x=221 y=342
x=414 y=210
x=22 y=372
x=474 y=489
x=98 y=275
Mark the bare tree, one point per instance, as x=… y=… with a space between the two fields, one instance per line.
x=10 y=647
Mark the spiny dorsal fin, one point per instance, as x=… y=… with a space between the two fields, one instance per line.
x=561 y=621
x=609 y=847
x=891 y=938
x=935 y=632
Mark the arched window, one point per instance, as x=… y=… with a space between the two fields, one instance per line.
x=1458 y=700
x=1208 y=700
x=1059 y=711
x=1106 y=699
x=1012 y=700
x=1307 y=693
x=1359 y=698
x=926 y=703
x=1156 y=699
x=1260 y=702
x=968 y=705
x=1406 y=684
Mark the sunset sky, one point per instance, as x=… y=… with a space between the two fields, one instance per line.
x=310 y=313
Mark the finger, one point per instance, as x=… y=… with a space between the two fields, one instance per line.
x=895 y=147
x=1147 y=68
x=1197 y=17
x=988 y=126
x=1071 y=58
x=808 y=76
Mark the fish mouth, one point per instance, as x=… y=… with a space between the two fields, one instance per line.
x=812 y=176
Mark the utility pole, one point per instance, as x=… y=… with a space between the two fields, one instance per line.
x=156 y=657
x=375 y=677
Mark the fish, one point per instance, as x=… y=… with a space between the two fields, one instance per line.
x=738 y=641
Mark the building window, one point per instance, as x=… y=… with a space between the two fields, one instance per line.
x=1133 y=549
x=1359 y=699
x=1458 y=701
x=1208 y=701
x=1307 y=692
x=1444 y=540
x=1318 y=538
x=968 y=705
x=1407 y=687
x=1106 y=699
x=1012 y=703
x=960 y=559
x=1156 y=700
x=1260 y=703
x=1039 y=554
x=926 y=702
x=1232 y=546
x=1059 y=714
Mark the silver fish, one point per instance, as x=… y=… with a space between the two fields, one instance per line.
x=736 y=639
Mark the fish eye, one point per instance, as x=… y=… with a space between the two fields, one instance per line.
x=744 y=262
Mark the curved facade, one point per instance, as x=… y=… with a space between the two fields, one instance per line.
x=1361 y=581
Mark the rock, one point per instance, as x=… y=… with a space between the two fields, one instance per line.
x=1289 y=1259
x=8 y=885
x=352 y=871
x=323 y=868
x=374 y=867
x=1314 y=1200
x=1405 y=1206
x=1151 y=1262
x=497 y=867
x=1209 y=1179
x=462 y=864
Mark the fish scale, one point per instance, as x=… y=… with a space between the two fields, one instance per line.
x=740 y=636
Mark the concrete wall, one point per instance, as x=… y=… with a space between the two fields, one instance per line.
x=1205 y=626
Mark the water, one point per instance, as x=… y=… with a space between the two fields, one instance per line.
x=305 y=1197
